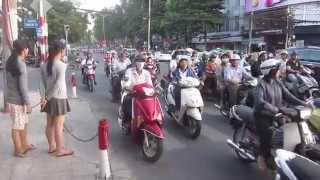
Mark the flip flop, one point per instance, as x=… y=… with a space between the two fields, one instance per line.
x=30 y=148
x=70 y=153
x=19 y=155
x=52 y=151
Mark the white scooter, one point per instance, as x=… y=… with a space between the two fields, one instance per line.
x=291 y=166
x=191 y=108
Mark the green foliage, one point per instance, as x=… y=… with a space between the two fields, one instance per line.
x=64 y=12
x=180 y=18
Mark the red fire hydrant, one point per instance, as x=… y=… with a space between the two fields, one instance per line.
x=103 y=132
x=73 y=81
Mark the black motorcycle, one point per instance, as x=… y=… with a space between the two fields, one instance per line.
x=116 y=85
x=290 y=132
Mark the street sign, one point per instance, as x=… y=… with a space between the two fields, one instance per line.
x=39 y=32
x=30 y=23
x=36 y=3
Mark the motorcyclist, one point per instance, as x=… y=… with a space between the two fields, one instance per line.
x=233 y=76
x=255 y=68
x=182 y=71
x=209 y=78
x=134 y=76
x=150 y=65
x=121 y=64
x=294 y=67
x=269 y=100
x=90 y=61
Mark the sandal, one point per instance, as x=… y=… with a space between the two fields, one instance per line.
x=19 y=155
x=52 y=151
x=67 y=153
x=29 y=148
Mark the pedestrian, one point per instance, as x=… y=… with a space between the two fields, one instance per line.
x=54 y=98
x=18 y=98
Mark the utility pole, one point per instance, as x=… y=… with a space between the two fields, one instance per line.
x=103 y=29
x=66 y=30
x=10 y=33
x=250 y=31
x=149 y=26
x=287 y=28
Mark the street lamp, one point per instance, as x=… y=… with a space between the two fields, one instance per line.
x=149 y=25
x=66 y=30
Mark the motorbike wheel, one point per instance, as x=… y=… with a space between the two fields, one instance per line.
x=194 y=128
x=240 y=137
x=90 y=85
x=152 y=150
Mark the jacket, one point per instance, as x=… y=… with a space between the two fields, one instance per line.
x=176 y=74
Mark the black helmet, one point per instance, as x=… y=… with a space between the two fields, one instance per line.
x=139 y=58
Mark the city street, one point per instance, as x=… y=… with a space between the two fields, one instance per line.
x=208 y=157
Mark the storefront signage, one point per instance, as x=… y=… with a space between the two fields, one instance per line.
x=255 y=5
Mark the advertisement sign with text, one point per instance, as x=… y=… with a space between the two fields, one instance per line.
x=255 y=5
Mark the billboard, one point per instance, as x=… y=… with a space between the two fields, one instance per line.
x=255 y=5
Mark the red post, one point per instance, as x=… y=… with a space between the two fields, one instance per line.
x=103 y=134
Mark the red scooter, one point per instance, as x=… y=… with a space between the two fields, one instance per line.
x=147 y=121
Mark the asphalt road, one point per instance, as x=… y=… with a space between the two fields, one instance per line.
x=207 y=157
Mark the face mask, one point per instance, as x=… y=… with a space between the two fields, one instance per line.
x=139 y=65
x=224 y=60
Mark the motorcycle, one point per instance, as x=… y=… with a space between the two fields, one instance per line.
x=107 y=66
x=146 y=126
x=308 y=86
x=191 y=108
x=116 y=85
x=291 y=166
x=245 y=89
x=89 y=76
x=293 y=134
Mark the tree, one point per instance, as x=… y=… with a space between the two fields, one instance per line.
x=180 y=18
x=64 y=12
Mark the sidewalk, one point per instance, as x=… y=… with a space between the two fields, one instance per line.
x=39 y=165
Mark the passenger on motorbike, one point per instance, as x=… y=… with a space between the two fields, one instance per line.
x=269 y=100
x=182 y=71
x=284 y=59
x=209 y=77
x=90 y=62
x=233 y=77
x=134 y=76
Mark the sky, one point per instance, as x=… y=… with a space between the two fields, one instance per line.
x=98 y=4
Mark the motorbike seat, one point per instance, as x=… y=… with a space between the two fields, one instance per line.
x=304 y=168
x=245 y=113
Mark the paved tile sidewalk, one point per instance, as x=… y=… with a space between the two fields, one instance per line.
x=39 y=165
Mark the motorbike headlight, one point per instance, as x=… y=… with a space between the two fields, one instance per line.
x=305 y=113
x=148 y=91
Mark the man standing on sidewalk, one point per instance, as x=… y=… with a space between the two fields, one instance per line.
x=18 y=98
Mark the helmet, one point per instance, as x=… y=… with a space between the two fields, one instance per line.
x=139 y=58
x=235 y=57
x=183 y=57
x=269 y=65
x=284 y=52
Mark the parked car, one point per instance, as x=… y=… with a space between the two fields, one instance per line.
x=180 y=52
x=309 y=57
x=163 y=57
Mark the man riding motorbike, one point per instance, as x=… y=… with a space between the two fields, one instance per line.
x=209 y=77
x=182 y=71
x=90 y=61
x=233 y=77
x=134 y=76
x=284 y=59
x=269 y=100
x=294 y=67
x=121 y=64
x=255 y=68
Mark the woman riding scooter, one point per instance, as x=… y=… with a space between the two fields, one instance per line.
x=182 y=71
x=270 y=94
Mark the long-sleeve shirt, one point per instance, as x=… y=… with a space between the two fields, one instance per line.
x=119 y=65
x=232 y=74
x=178 y=74
x=54 y=86
x=270 y=96
x=134 y=78
x=17 y=86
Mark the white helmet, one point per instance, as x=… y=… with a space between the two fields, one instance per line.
x=183 y=57
x=235 y=57
x=269 y=65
